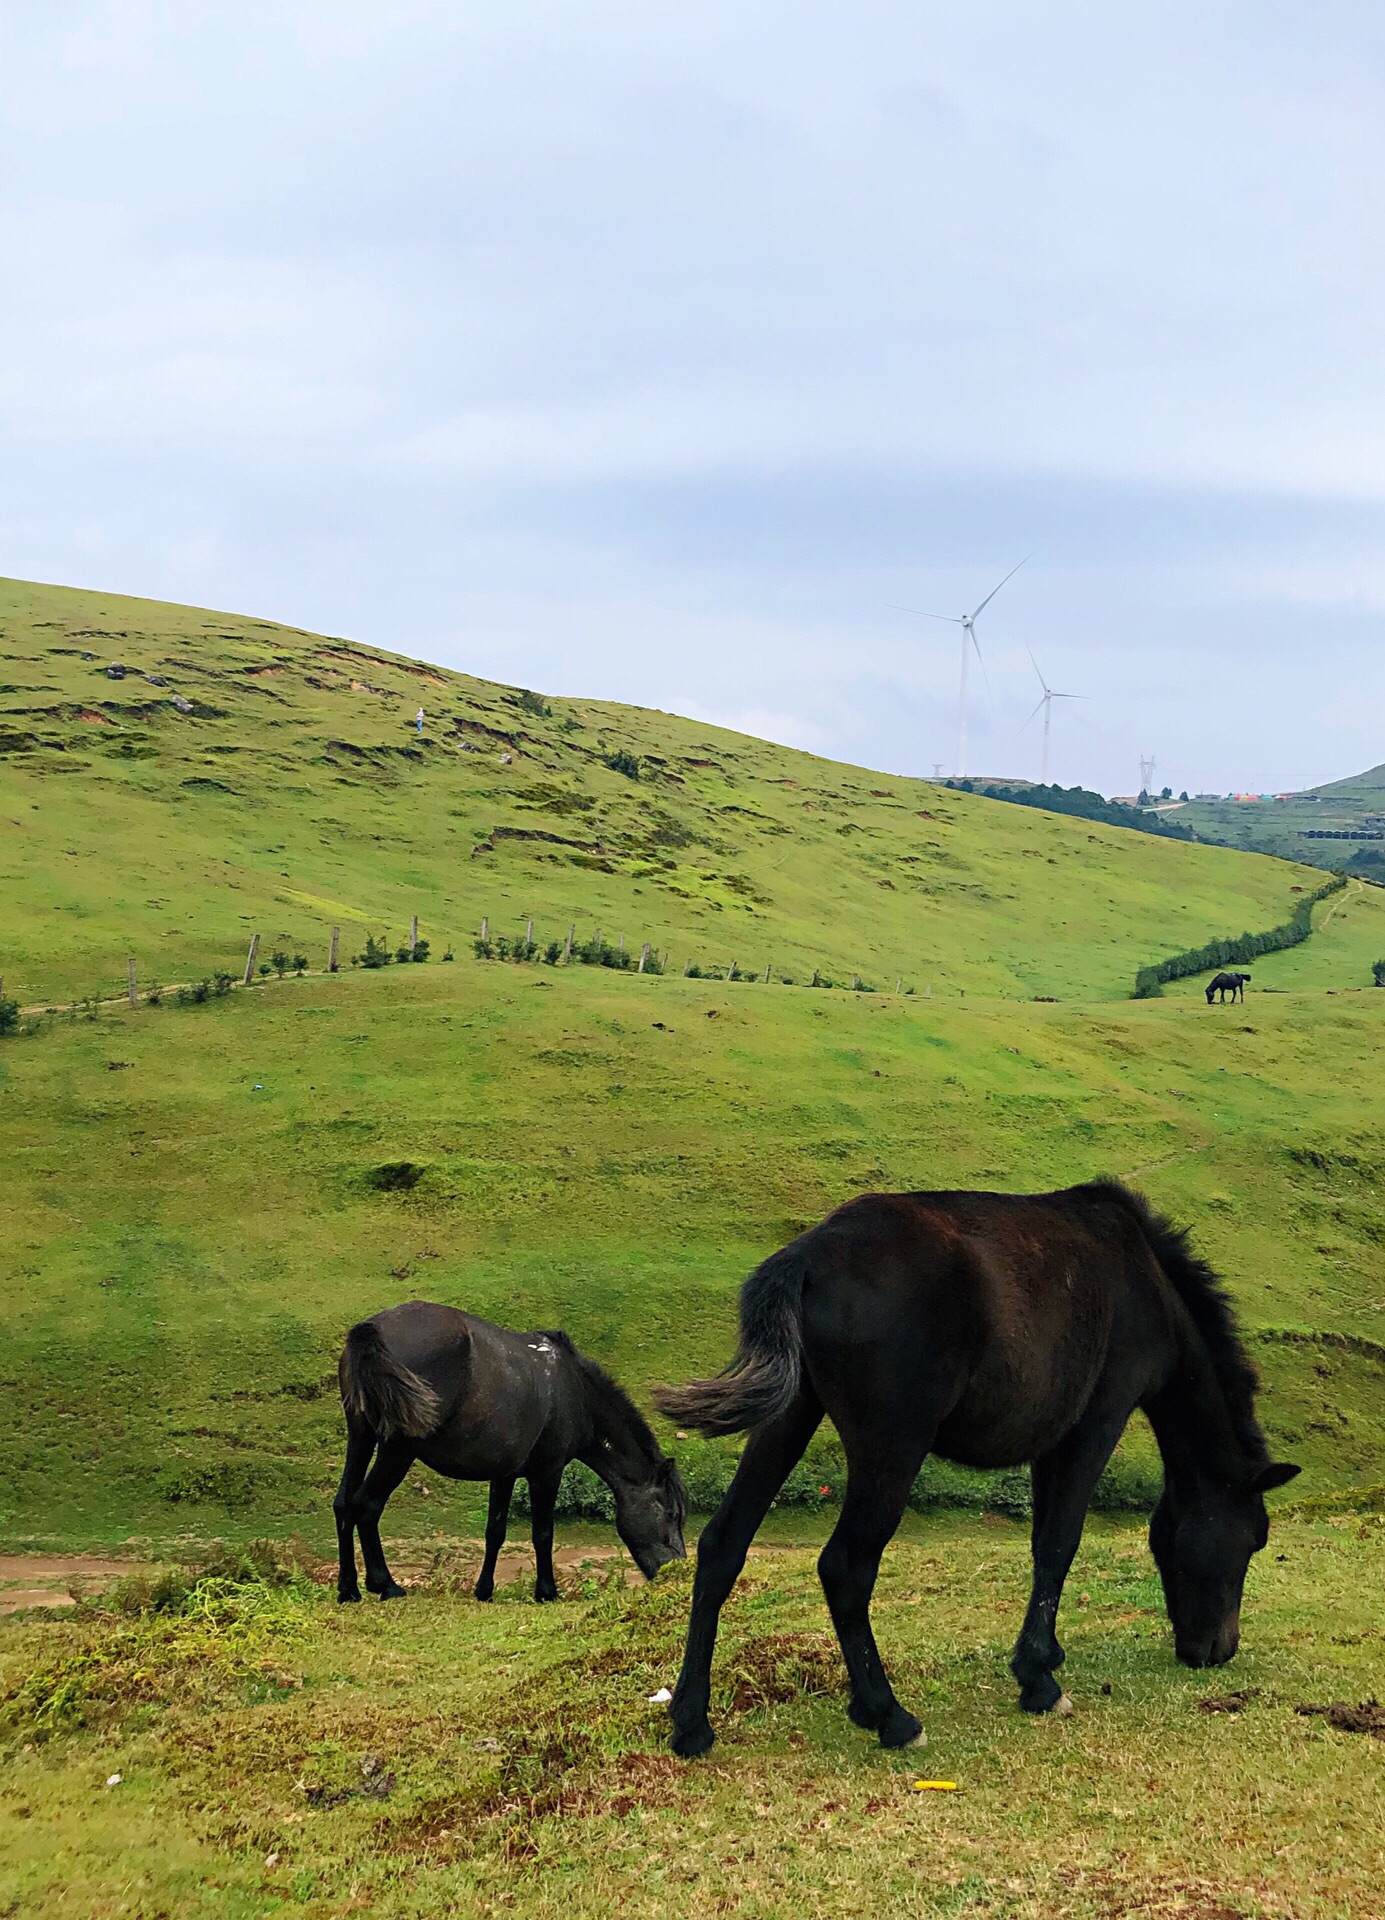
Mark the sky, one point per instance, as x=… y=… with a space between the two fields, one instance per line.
x=663 y=354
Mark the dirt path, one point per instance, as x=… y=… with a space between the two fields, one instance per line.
x=1356 y=886
x=53 y=1580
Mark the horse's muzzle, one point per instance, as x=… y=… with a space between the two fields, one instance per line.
x=1213 y=1651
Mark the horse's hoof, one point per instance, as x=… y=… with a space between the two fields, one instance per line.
x=545 y=1594
x=392 y=1592
x=689 y=1742
x=900 y=1729
x=1043 y=1697
x=348 y=1599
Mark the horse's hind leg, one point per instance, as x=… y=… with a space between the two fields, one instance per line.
x=771 y=1453
x=392 y=1462
x=497 y=1519
x=360 y=1444
x=1063 y=1482
x=874 y=1505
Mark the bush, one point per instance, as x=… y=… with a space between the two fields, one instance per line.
x=534 y=703
x=1377 y=974
x=154 y=997
x=553 y=953
x=280 y=962
x=195 y=995
x=449 y=955
x=1230 y=952
x=395 y=1176
x=9 y=1016
x=221 y=985
x=376 y=954
x=624 y=762
x=300 y=964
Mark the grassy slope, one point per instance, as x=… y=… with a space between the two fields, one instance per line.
x=527 y=1773
x=295 y=795
x=186 y=1236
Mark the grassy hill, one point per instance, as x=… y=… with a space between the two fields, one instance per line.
x=189 y=1219
x=240 y=776
x=1334 y=825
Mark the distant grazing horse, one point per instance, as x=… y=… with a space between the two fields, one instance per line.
x=992 y=1329
x=1224 y=983
x=478 y=1402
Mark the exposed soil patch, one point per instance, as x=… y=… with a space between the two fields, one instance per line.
x=38 y=1580
x=1368 y=1717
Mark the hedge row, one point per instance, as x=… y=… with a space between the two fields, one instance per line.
x=819 y=1480
x=1228 y=952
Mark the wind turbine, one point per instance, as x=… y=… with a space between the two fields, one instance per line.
x=1049 y=696
x=967 y=622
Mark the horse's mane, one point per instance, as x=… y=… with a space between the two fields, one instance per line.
x=1209 y=1305
x=615 y=1414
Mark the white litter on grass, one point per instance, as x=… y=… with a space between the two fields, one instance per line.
x=271 y=1859
x=661 y=1698
x=113 y=1780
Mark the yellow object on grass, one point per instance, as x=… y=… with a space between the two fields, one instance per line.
x=935 y=1786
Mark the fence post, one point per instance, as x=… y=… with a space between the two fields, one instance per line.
x=250 y=959
x=644 y=955
x=898 y=985
x=767 y=968
x=567 y=949
x=686 y=965
x=332 y=946
x=529 y=932
x=928 y=991
x=413 y=935
x=485 y=926
x=130 y=977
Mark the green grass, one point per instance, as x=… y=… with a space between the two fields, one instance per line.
x=277 y=1755
x=296 y=795
x=188 y=1222
x=188 y=1225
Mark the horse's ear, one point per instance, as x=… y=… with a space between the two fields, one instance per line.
x=1277 y=1474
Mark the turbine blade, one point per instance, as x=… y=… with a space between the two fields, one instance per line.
x=1034 y=663
x=980 y=662
x=1036 y=711
x=952 y=618
x=996 y=589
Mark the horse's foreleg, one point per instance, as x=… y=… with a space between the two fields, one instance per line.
x=543 y=1494
x=497 y=1519
x=360 y=1444
x=392 y=1462
x=848 y=1566
x=1063 y=1482
x=770 y=1456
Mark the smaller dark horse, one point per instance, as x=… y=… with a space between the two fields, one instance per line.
x=479 y=1402
x=1224 y=983
x=990 y=1328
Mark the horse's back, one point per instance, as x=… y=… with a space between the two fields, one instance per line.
x=997 y=1309
x=500 y=1388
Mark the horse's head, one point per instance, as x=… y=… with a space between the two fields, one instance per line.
x=1202 y=1547
x=650 y=1512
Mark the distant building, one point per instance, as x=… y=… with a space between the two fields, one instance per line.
x=1207 y=796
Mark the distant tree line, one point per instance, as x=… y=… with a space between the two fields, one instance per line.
x=1083 y=804
x=1246 y=946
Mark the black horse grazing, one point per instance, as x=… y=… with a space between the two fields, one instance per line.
x=1224 y=983
x=478 y=1402
x=992 y=1329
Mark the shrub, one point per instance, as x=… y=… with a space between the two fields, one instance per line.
x=1377 y=974
x=221 y=984
x=624 y=762
x=265 y=968
x=300 y=964
x=553 y=953
x=280 y=962
x=195 y=995
x=1228 y=952
x=154 y=997
x=9 y=1016
x=534 y=703
x=449 y=955
x=394 y=1176
x=377 y=953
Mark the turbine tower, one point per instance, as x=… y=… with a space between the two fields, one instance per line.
x=967 y=622
x=1147 y=767
x=1050 y=694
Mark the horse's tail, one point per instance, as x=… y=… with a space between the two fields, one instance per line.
x=762 y=1381
x=377 y=1389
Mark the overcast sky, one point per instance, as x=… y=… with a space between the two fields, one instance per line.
x=654 y=352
